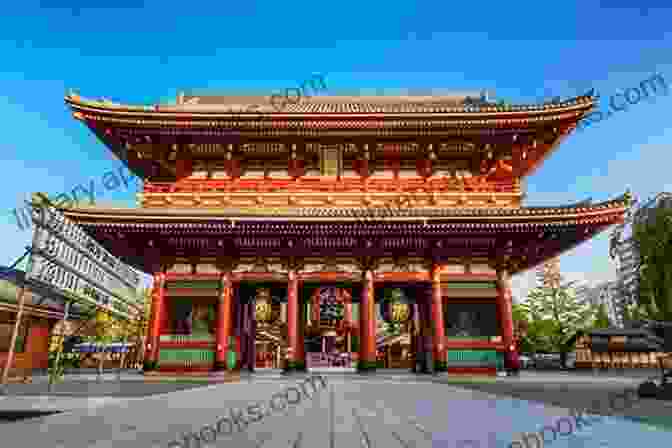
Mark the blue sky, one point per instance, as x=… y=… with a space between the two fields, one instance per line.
x=145 y=52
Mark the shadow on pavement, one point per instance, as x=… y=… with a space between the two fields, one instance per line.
x=14 y=416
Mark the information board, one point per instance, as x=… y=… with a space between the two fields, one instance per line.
x=65 y=257
x=48 y=272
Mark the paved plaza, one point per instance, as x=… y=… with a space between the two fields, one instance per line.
x=383 y=410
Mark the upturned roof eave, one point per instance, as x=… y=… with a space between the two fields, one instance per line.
x=455 y=216
x=162 y=112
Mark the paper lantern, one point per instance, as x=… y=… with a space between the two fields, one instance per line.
x=263 y=308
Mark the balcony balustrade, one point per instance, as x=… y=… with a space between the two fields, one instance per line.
x=321 y=184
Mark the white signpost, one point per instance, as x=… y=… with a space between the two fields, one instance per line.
x=66 y=258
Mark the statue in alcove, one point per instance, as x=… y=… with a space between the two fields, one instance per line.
x=466 y=325
x=182 y=317
x=204 y=319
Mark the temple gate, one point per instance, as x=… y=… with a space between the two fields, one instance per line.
x=384 y=229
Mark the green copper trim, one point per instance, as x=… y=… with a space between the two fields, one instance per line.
x=193 y=284
x=149 y=366
x=367 y=366
x=295 y=366
x=474 y=356
x=170 y=355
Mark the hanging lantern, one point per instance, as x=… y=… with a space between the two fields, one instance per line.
x=401 y=312
x=396 y=308
x=103 y=319
x=263 y=309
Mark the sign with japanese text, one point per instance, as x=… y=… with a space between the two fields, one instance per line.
x=66 y=258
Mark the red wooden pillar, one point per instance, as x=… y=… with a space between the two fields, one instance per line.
x=347 y=308
x=224 y=323
x=438 y=331
x=347 y=304
x=292 y=321
x=156 y=314
x=367 y=326
x=300 y=331
x=504 y=302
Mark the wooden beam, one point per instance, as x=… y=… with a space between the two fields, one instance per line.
x=402 y=277
x=223 y=136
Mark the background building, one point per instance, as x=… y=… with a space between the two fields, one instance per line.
x=607 y=294
x=42 y=310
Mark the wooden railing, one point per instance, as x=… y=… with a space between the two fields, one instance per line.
x=475 y=358
x=332 y=185
x=186 y=357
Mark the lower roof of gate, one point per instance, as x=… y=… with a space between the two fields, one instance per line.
x=574 y=214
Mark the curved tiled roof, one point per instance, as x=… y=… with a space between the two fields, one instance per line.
x=525 y=214
x=324 y=105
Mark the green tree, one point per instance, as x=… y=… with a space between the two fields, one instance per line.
x=533 y=335
x=521 y=328
x=555 y=315
x=601 y=317
x=635 y=312
x=8 y=291
x=653 y=238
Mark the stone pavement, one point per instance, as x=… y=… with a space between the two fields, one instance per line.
x=367 y=412
x=573 y=391
x=84 y=387
x=52 y=403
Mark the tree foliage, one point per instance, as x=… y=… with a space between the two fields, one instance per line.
x=654 y=242
x=601 y=317
x=521 y=328
x=8 y=291
x=554 y=315
x=637 y=313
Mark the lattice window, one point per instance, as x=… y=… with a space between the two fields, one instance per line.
x=217 y=170
x=278 y=172
x=200 y=170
